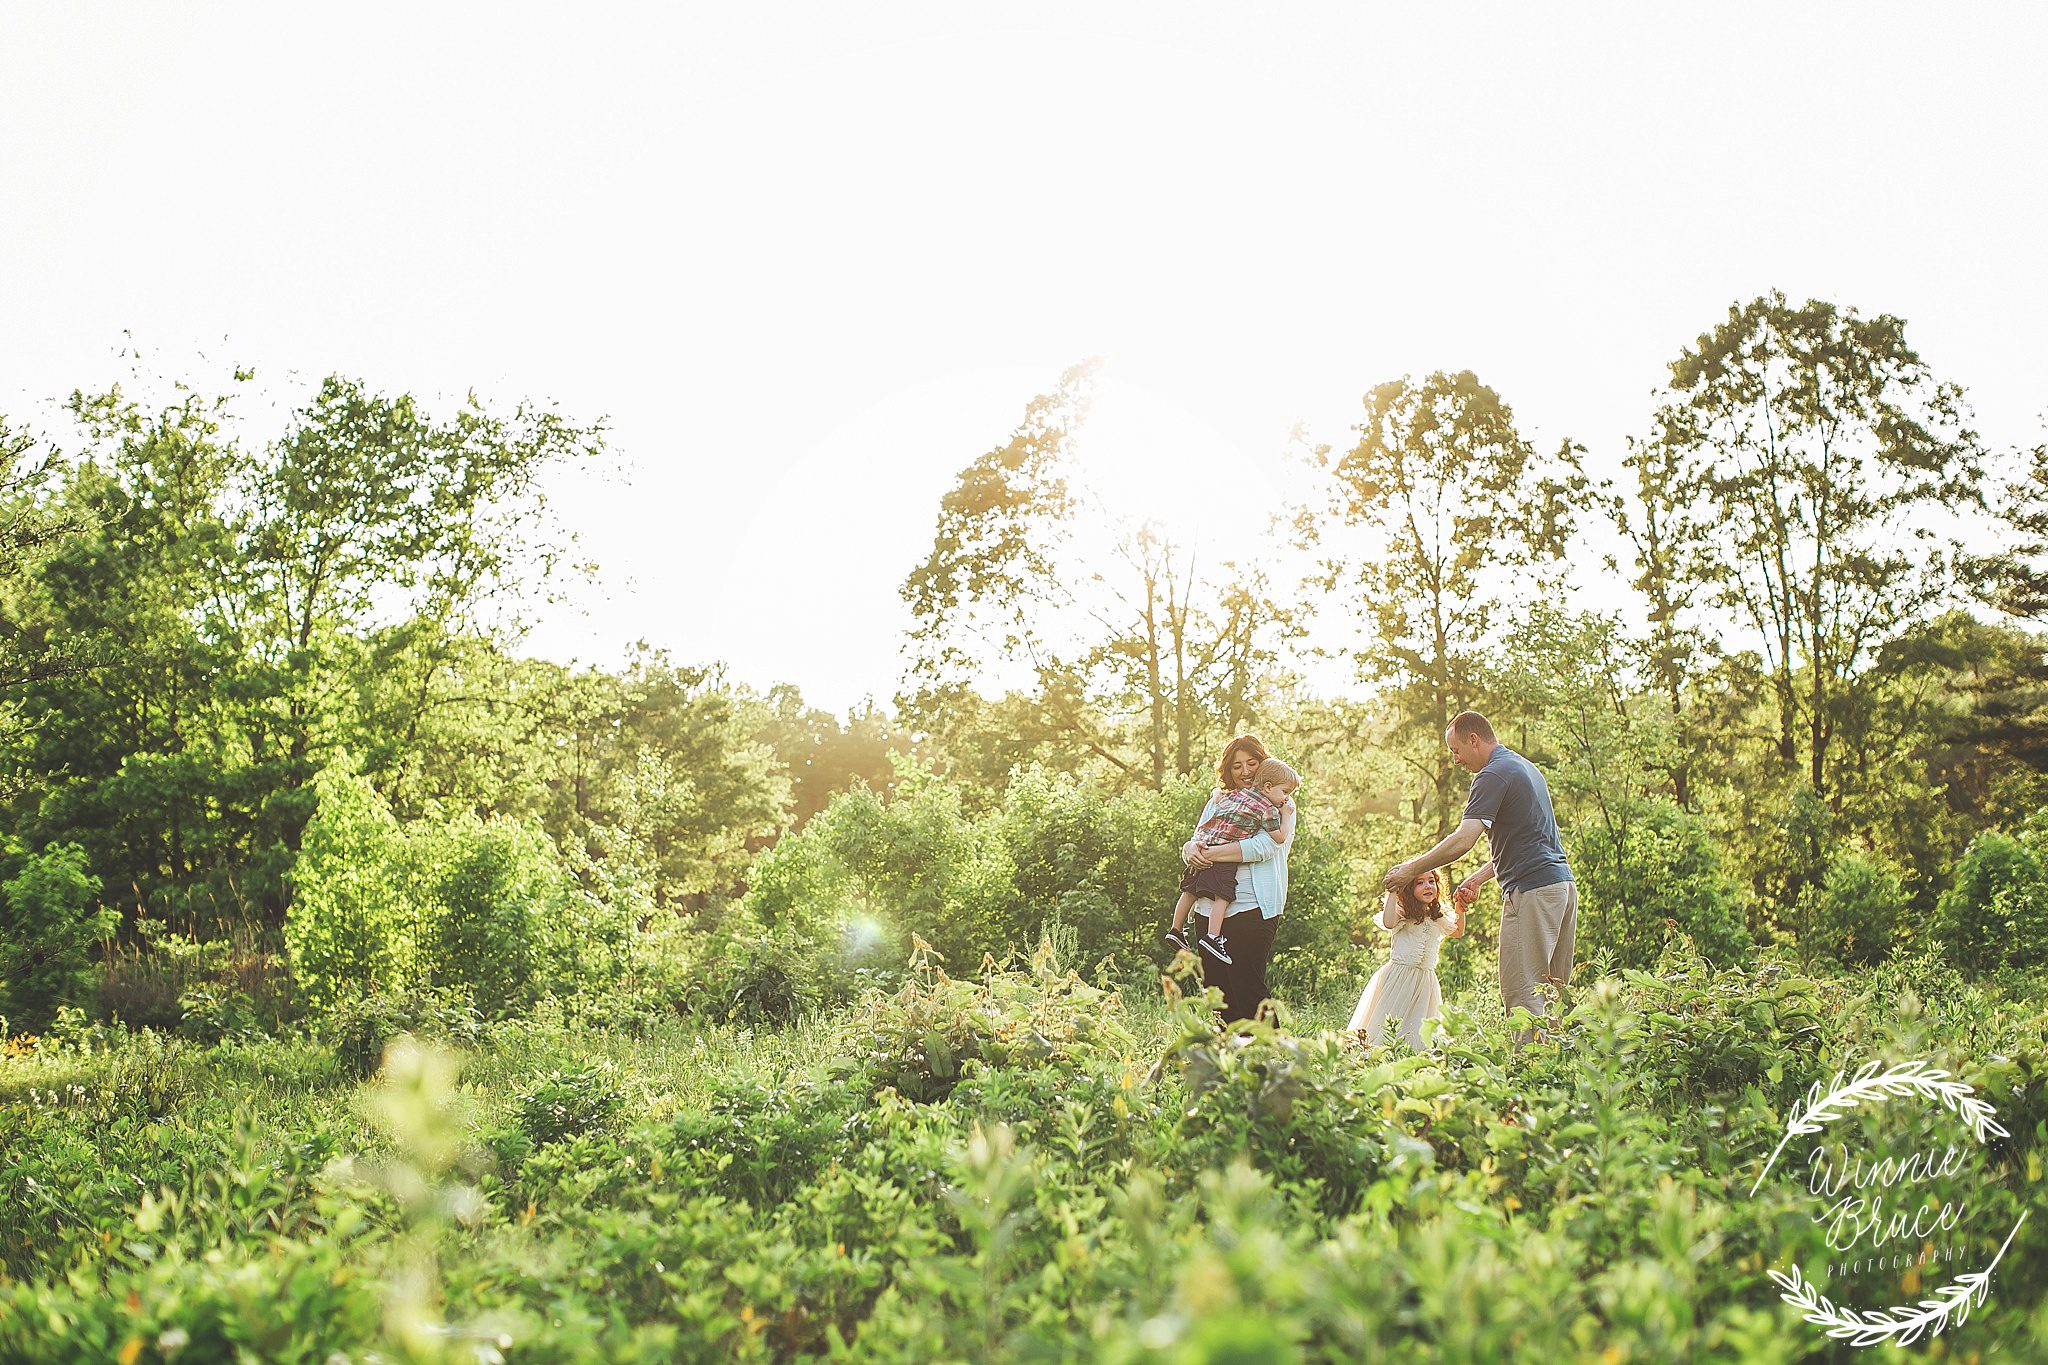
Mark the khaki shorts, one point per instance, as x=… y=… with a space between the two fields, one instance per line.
x=1537 y=926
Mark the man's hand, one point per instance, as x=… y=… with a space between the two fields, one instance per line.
x=1398 y=876
x=1464 y=896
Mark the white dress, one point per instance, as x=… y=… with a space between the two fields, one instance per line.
x=1405 y=988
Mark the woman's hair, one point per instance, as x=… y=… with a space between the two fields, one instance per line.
x=1243 y=744
x=1273 y=770
x=1413 y=909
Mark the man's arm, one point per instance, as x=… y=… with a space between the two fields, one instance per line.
x=1468 y=890
x=1452 y=847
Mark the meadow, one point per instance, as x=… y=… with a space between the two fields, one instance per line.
x=982 y=1164
x=372 y=990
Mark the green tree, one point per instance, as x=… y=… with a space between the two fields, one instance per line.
x=1572 y=673
x=354 y=925
x=1438 y=497
x=1821 y=439
x=1662 y=518
x=1136 y=654
x=248 y=610
x=2015 y=579
x=49 y=919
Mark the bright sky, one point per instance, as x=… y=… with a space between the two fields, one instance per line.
x=810 y=261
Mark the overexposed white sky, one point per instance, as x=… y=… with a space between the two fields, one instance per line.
x=811 y=260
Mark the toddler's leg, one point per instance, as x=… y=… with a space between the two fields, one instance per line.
x=1212 y=942
x=1181 y=908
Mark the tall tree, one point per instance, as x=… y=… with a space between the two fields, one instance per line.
x=2015 y=580
x=248 y=608
x=1115 y=620
x=1824 y=440
x=1662 y=518
x=1438 y=496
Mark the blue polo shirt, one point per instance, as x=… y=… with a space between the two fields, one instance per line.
x=1513 y=801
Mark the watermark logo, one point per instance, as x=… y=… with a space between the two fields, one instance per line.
x=1869 y=1208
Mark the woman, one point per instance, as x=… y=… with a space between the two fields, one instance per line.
x=1250 y=920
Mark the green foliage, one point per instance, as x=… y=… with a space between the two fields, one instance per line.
x=1994 y=911
x=490 y=889
x=1662 y=876
x=1422 y=569
x=1857 y=910
x=353 y=924
x=210 y=1015
x=1818 y=438
x=52 y=920
x=840 y=897
x=937 y=1030
x=363 y=1026
x=481 y=906
x=1285 y=1196
x=569 y=1103
x=848 y=886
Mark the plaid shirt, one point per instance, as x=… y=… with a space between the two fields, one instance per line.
x=1239 y=815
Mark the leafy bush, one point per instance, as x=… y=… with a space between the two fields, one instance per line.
x=569 y=1103
x=1856 y=911
x=50 y=924
x=841 y=891
x=831 y=904
x=925 y=1038
x=482 y=906
x=210 y=1015
x=1287 y=1196
x=487 y=888
x=362 y=1026
x=1994 y=911
x=353 y=920
x=1659 y=876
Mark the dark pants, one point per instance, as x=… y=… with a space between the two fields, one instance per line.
x=1249 y=937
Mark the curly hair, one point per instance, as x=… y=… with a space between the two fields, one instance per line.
x=1413 y=908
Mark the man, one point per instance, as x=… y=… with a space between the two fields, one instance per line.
x=1539 y=914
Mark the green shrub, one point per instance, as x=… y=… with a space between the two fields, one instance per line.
x=830 y=905
x=486 y=907
x=1856 y=912
x=1661 y=875
x=362 y=1026
x=213 y=1015
x=841 y=892
x=47 y=930
x=1993 y=913
x=925 y=1038
x=569 y=1103
x=488 y=887
x=353 y=922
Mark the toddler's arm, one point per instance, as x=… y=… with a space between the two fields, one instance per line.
x=1390 y=912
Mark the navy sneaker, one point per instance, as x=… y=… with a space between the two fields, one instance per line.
x=1213 y=946
x=1175 y=939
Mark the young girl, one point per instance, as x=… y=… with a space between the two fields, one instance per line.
x=1405 y=987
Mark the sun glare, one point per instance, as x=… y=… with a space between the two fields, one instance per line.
x=1151 y=459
